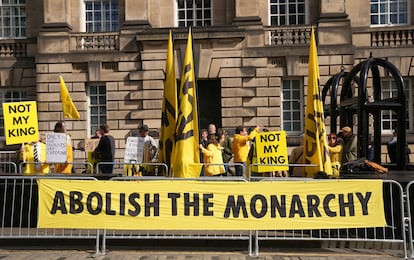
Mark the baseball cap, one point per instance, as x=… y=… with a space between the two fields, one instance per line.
x=346 y=129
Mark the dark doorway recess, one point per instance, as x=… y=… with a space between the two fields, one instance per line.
x=209 y=103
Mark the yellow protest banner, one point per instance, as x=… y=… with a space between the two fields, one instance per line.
x=271 y=148
x=192 y=205
x=20 y=122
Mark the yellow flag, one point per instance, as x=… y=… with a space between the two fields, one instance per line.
x=169 y=109
x=186 y=162
x=69 y=109
x=315 y=137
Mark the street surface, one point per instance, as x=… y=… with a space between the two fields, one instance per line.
x=183 y=250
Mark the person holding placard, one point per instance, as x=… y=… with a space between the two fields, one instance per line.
x=65 y=168
x=60 y=127
x=90 y=145
x=133 y=155
x=34 y=154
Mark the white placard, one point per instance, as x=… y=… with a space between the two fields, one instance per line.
x=56 y=147
x=134 y=149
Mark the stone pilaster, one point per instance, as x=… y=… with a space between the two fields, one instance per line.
x=334 y=27
x=136 y=14
x=54 y=34
x=136 y=19
x=56 y=15
x=247 y=13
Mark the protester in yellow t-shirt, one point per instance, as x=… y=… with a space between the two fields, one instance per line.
x=213 y=157
x=335 y=153
x=241 y=146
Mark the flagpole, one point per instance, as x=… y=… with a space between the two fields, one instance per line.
x=61 y=116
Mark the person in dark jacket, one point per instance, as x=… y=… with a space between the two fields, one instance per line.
x=105 y=151
x=225 y=142
x=392 y=149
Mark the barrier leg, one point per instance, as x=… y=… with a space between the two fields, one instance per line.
x=253 y=244
x=407 y=224
x=408 y=245
x=97 y=253
x=103 y=248
x=102 y=251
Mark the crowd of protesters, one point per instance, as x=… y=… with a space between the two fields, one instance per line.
x=220 y=153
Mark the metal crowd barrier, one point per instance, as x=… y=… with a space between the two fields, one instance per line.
x=394 y=232
x=121 y=165
x=254 y=175
x=8 y=167
x=244 y=173
x=8 y=161
x=18 y=216
x=410 y=208
x=51 y=165
x=179 y=234
x=18 y=211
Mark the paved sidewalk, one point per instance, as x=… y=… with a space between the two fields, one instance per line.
x=191 y=250
x=282 y=254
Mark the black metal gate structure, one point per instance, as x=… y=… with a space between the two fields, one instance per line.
x=362 y=105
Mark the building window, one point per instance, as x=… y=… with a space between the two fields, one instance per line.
x=97 y=107
x=13 y=18
x=101 y=15
x=10 y=95
x=389 y=12
x=194 y=13
x=292 y=115
x=389 y=117
x=284 y=12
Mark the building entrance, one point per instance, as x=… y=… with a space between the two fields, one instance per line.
x=209 y=102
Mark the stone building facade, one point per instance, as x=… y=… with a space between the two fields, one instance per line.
x=245 y=59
